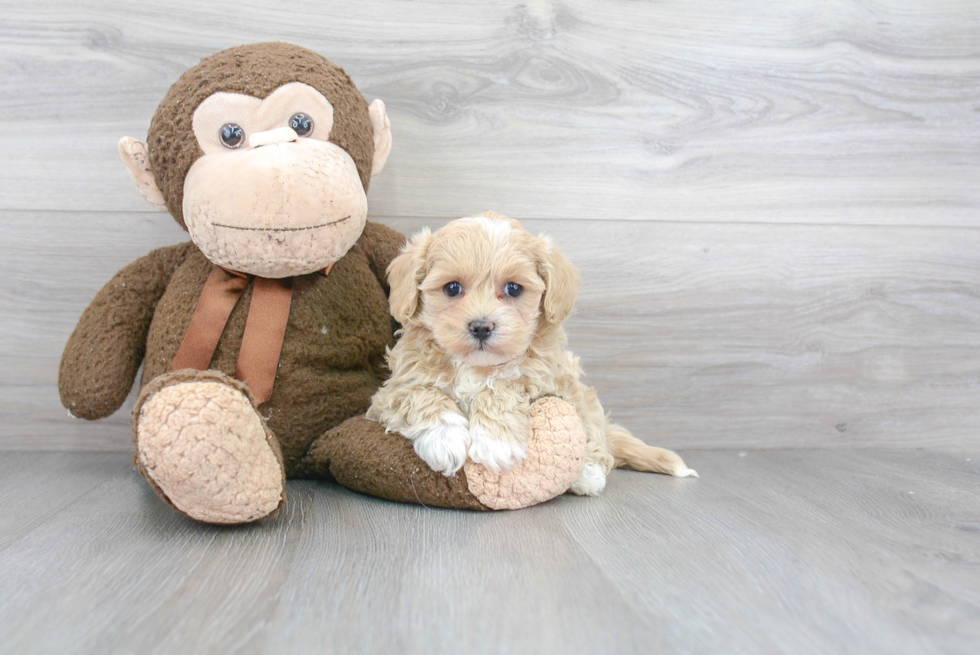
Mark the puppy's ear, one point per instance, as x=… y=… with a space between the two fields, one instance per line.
x=560 y=283
x=404 y=275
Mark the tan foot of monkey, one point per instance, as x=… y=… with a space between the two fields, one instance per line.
x=205 y=449
x=554 y=460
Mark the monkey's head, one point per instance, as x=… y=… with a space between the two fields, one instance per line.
x=263 y=153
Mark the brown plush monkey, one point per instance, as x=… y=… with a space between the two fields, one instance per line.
x=260 y=337
x=276 y=314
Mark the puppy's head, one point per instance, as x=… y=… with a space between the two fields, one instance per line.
x=482 y=286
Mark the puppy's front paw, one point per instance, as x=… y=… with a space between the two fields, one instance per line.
x=591 y=482
x=443 y=446
x=492 y=453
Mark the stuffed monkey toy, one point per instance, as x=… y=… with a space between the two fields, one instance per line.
x=262 y=340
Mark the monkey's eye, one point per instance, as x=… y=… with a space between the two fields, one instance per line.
x=232 y=135
x=453 y=289
x=513 y=289
x=301 y=124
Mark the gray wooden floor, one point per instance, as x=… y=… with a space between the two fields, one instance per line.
x=789 y=551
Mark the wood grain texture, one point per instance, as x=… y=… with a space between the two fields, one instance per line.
x=786 y=551
x=798 y=111
x=695 y=335
x=775 y=206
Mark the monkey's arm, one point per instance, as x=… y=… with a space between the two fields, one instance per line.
x=381 y=244
x=105 y=350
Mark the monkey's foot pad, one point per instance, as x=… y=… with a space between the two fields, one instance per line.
x=555 y=458
x=205 y=448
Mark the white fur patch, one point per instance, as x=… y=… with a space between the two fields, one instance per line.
x=685 y=472
x=442 y=446
x=492 y=453
x=497 y=230
x=591 y=482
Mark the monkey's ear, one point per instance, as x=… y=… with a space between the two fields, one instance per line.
x=560 y=283
x=382 y=135
x=405 y=273
x=137 y=159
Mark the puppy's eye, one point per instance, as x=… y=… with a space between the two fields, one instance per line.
x=453 y=289
x=513 y=289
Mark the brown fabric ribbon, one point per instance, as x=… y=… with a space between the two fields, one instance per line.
x=220 y=295
x=265 y=327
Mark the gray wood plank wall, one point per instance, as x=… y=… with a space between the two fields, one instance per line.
x=774 y=205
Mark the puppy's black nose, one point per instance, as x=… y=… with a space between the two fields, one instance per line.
x=481 y=329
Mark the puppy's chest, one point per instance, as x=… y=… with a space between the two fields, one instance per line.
x=468 y=383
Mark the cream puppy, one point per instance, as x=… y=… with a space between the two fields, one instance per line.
x=481 y=303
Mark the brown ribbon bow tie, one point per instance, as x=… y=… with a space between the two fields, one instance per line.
x=265 y=327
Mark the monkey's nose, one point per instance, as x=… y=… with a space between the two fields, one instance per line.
x=269 y=137
x=481 y=330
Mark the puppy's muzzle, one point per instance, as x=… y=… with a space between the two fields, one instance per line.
x=481 y=330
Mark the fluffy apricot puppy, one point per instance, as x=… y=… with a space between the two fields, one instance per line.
x=482 y=302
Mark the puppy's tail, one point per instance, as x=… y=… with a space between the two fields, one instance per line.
x=631 y=453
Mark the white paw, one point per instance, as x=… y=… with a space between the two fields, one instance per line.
x=685 y=472
x=591 y=482
x=443 y=446
x=492 y=453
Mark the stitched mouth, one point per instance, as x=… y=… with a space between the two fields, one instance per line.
x=280 y=229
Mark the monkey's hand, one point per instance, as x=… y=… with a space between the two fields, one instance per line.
x=381 y=244
x=105 y=350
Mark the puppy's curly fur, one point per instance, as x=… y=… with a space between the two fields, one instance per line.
x=482 y=301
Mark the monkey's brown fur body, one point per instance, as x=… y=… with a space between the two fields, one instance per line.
x=332 y=358
x=205 y=428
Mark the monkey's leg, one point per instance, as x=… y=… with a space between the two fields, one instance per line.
x=205 y=450
x=360 y=455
